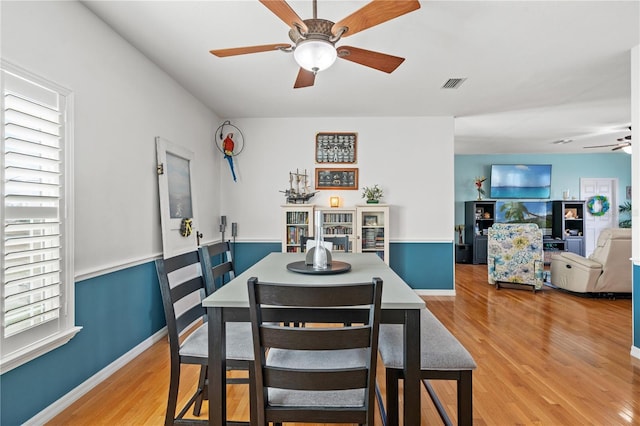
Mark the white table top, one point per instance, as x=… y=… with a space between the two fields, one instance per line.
x=396 y=294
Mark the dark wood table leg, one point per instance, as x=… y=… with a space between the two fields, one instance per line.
x=412 y=367
x=217 y=368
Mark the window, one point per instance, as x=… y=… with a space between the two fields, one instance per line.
x=36 y=234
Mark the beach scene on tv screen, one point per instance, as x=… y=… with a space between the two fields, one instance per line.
x=538 y=212
x=521 y=181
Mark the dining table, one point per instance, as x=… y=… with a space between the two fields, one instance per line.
x=400 y=305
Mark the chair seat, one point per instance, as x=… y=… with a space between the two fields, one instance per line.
x=239 y=342
x=439 y=349
x=317 y=360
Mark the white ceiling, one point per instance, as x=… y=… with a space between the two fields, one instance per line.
x=537 y=71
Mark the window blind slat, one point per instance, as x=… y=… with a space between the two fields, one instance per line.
x=33 y=281
x=31 y=147
x=14 y=130
x=32 y=316
x=38 y=293
x=30 y=121
x=35 y=161
x=30 y=212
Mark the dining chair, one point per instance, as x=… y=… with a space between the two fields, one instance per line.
x=442 y=357
x=217 y=259
x=183 y=287
x=317 y=374
x=339 y=243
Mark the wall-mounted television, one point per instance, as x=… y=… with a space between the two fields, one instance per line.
x=521 y=181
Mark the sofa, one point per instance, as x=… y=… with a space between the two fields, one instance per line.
x=606 y=270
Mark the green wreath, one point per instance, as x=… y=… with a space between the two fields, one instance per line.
x=604 y=203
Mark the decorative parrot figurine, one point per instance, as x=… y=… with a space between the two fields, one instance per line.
x=227 y=146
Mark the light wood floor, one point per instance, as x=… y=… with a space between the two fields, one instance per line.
x=547 y=358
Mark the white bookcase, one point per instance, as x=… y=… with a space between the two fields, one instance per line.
x=366 y=225
x=372 y=231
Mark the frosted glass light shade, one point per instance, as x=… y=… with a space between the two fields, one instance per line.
x=627 y=149
x=315 y=55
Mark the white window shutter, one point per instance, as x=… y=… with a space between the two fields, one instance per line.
x=36 y=255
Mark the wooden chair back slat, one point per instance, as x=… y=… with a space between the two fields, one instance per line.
x=320 y=381
x=315 y=296
x=311 y=338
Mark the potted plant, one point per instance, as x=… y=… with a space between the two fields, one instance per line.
x=625 y=209
x=373 y=194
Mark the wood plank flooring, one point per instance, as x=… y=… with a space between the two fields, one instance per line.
x=547 y=358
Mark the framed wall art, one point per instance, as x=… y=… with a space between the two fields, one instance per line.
x=337 y=179
x=336 y=148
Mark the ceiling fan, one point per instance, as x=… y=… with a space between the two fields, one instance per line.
x=624 y=143
x=314 y=39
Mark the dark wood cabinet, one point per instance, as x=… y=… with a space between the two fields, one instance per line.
x=478 y=217
x=568 y=224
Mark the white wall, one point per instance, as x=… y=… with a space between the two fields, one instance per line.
x=122 y=101
x=411 y=158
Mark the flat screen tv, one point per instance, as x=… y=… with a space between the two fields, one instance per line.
x=521 y=181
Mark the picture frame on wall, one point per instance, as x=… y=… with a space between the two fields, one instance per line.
x=336 y=148
x=337 y=178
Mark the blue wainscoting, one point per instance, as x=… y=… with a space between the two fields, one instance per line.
x=247 y=254
x=117 y=312
x=424 y=266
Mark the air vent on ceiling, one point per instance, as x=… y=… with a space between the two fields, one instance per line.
x=453 y=83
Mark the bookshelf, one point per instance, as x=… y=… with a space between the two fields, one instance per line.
x=339 y=222
x=367 y=226
x=298 y=221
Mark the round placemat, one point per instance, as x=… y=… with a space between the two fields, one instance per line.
x=336 y=267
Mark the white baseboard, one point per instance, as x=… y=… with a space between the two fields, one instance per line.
x=435 y=292
x=61 y=404
x=635 y=352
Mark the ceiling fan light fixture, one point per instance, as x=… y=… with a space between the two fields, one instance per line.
x=315 y=55
x=627 y=149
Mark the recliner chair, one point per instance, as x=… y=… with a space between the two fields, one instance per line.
x=606 y=270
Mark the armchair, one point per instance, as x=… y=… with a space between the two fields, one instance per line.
x=606 y=270
x=515 y=256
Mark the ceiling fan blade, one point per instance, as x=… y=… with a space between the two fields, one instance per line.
x=374 y=13
x=621 y=145
x=249 y=49
x=601 y=146
x=371 y=59
x=305 y=79
x=282 y=10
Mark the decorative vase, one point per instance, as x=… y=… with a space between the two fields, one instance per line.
x=479 y=195
x=319 y=254
x=372 y=201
